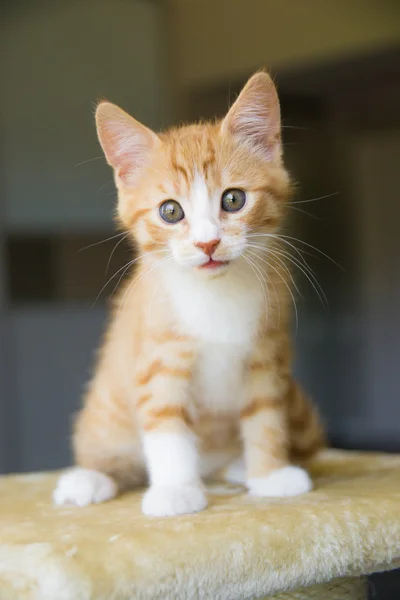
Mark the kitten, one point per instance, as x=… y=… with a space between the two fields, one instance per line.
x=194 y=375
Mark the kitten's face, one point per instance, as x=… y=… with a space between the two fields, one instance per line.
x=195 y=194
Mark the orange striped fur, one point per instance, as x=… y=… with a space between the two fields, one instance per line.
x=196 y=363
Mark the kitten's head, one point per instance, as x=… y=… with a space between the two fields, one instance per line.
x=198 y=192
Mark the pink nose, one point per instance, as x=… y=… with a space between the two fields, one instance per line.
x=208 y=247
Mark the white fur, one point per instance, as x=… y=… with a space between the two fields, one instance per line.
x=173 y=465
x=224 y=309
x=218 y=378
x=203 y=216
x=222 y=313
x=202 y=212
x=288 y=481
x=84 y=486
x=171 y=458
x=170 y=500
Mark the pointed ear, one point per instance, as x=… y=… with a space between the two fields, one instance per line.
x=255 y=117
x=127 y=144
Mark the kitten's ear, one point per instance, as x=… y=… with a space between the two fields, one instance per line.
x=255 y=117
x=127 y=144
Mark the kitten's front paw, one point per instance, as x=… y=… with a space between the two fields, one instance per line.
x=288 y=481
x=83 y=487
x=167 y=501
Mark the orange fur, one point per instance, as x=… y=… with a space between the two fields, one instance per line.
x=146 y=373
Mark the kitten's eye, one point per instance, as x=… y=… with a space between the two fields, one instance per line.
x=171 y=211
x=233 y=200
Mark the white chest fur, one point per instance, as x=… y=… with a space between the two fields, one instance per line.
x=219 y=378
x=223 y=315
x=222 y=310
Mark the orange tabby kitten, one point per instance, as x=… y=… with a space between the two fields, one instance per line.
x=194 y=376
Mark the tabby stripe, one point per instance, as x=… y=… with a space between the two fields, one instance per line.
x=143 y=400
x=259 y=366
x=139 y=213
x=259 y=404
x=186 y=354
x=151 y=371
x=150 y=247
x=157 y=368
x=169 y=336
x=176 y=372
x=158 y=415
x=182 y=171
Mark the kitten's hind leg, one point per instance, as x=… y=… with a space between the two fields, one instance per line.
x=94 y=481
x=108 y=458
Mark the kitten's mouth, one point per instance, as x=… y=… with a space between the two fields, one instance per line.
x=214 y=264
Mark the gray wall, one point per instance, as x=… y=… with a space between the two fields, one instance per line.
x=58 y=59
x=53 y=350
x=376 y=159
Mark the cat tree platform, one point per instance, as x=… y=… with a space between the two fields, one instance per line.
x=316 y=546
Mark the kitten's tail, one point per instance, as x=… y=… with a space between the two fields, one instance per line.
x=307 y=435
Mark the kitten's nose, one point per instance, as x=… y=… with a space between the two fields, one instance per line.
x=208 y=247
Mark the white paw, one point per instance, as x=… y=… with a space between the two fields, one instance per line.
x=288 y=481
x=83 y=487
x=167 y=501
x=236 y=472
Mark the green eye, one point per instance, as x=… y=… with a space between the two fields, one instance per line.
x=171 y=211
x=233 y=200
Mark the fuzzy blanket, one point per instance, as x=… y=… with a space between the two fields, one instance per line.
x=239 y=548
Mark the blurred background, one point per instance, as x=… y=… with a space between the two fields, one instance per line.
x=337 y=66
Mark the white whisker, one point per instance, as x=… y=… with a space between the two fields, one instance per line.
x=272 y=284
x=135 y=282
x=280 y=261
x=127 y=265
x=313 y=248
x=123 y=274
x=274 y=236
x=315 y=199
x=283 y=237
x=308 y=273
x=102 y=241
x=290 y=292
x=261 y=281
x=114 y=249
x=162 y=174
x=88 y=160
x=302 y=266
x=304 y=212
x=102 y=187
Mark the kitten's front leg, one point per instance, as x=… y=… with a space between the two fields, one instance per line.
x=168 y=440
x=265 y=432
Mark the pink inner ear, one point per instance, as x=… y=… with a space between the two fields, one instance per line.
x=132 y=154
x=255 y=116
x=127 y=144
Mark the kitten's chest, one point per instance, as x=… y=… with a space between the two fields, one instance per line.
x=219 y=379
x=223 y=317
x=220 y=312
